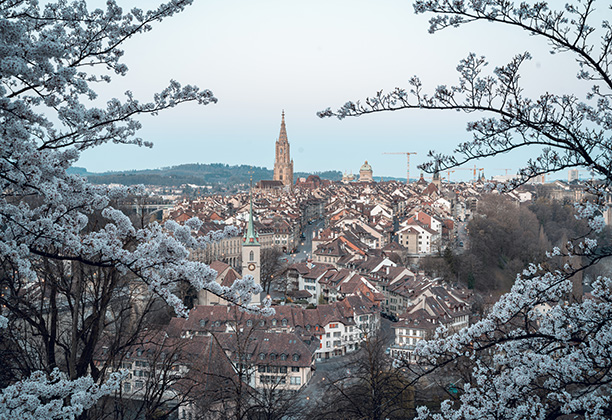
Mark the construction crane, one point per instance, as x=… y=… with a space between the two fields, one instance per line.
x=407 y=162
x=448 y=172
x=473 y=170
x=504 y=169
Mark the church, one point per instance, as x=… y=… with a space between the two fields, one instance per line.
x=283 y=164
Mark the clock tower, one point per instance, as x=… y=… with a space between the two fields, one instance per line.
x=251 y=249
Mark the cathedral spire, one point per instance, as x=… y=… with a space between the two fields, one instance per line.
x=283 y=165
x=282 y=137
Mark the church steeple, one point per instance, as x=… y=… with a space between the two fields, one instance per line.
x=250 y=236
x=251 y=252
x=283 y=165
x=282 y=137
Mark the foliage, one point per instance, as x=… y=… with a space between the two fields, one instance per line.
x=504 y=238
x=193 y=173
x=543 y=351
x=59 y=233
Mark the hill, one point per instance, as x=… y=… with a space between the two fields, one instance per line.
x=192 y=173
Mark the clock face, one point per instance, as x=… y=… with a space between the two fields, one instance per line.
x=251 y=267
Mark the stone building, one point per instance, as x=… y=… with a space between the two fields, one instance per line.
x=366 y=173
x=283 y=164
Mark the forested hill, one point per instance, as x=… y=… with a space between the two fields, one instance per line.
x=192 y=173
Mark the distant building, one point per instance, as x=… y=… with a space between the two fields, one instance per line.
x=283 y=164
x=366 y=173
x=348 y=177
x=573 y=175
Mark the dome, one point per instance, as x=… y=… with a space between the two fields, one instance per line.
x=366 y=167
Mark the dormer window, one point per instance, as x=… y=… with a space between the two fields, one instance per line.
x=296 y=357
x=283 y=356
x=284 y=322
x=202 y=323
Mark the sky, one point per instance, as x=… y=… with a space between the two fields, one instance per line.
x=262 y=57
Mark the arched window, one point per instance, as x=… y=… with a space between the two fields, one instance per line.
x=284 y=322
x=252 y=256
x=296 y=357
x=283 y=356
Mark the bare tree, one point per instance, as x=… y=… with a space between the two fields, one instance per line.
x=271 y=267
x=369 y=386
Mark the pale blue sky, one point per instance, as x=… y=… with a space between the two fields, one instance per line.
x=260 y=57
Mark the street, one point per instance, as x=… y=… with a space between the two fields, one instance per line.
x=304 y=248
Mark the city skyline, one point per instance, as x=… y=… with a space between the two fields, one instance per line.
x=259 y=59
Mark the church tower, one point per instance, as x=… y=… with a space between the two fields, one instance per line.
x=283 y=164
x=251 y=251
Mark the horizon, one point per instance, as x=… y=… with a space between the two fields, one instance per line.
x=260 y=59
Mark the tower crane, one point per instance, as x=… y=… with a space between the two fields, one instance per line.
x=504 y=169
x=473 y=170
x=448 y=172
x=407 y=162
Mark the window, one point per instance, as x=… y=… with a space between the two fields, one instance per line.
x=296 y=357
x=296 y=380
x=262 y=356
x=284 y=322
x=328 y=344
x=272 y=356
x=333 y=325
x=138 y=385
x=202 y=323
x=283 y=369
x=249 y=323
x=262 y=323
x=251 y=256
x=273 y=322
x=127 y=387
x=283 y=356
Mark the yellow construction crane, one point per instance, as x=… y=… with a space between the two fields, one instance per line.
x=407 y=162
